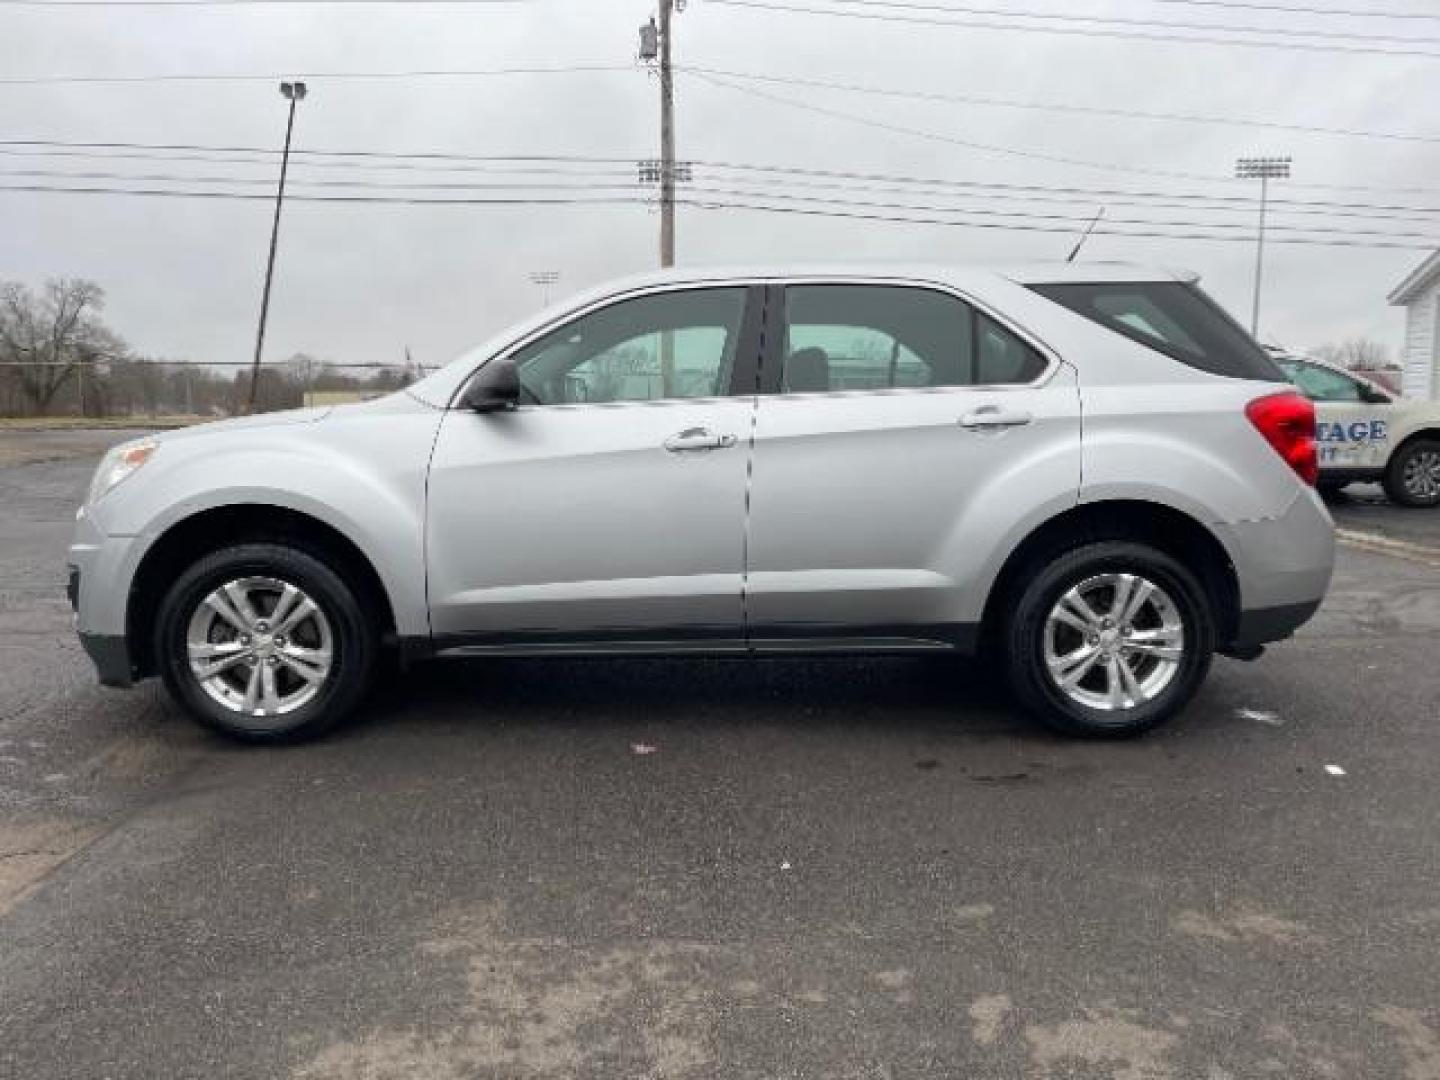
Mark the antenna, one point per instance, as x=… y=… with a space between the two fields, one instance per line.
x=1085 y=235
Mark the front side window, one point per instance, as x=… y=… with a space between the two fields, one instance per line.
x=665 y=345
x=1172 y=318
x=1320 y=383
x=885 y=337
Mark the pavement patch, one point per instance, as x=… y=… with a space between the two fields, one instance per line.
x=1107 y=1039
x=30 y=851
x=1246 y=925
x=1427 y=555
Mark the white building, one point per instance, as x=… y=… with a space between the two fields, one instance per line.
x=1419 y=295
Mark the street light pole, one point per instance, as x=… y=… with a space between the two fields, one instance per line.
x=295 y=93
x=1263 y=169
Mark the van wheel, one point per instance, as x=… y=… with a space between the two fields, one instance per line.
x=1109 y=639
x=1413 y=476
x=264 y=643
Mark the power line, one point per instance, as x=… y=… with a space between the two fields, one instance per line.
x=935 y=136
x=270 y=76
x=918 y=95
x=1094 y=31
x=1118 y=20
x=727 y=199
x=1009 y=103
x=1357 y=13
x=598 y=180
x=240 y=3
x=1066 y=230
x=575 y=164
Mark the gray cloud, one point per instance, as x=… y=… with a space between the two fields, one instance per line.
x=363 y=282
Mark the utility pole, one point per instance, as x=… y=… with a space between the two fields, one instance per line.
x=655 y=43
x=667 y=139
x=656 y=49
x=1263 y=169
x=295 y=93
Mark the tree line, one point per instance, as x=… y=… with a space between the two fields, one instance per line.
x=59 y=358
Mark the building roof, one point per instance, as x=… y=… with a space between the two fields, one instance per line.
x=1417 y=280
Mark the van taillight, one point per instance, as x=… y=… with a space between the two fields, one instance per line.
x=1287 y=421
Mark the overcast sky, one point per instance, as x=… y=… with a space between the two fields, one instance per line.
x=361 y=282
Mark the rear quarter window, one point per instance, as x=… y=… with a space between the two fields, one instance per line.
x=1172 y=318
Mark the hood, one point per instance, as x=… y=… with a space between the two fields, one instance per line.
x=259 y=420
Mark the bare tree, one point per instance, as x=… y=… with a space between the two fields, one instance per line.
x=1357 y=354
x=44 y=338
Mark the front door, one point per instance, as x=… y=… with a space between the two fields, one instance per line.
x=610 y=506
x=905 y=429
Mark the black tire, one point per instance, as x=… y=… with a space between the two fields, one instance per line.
x=354 y=641
x=1401 y=460
x=1038 y=593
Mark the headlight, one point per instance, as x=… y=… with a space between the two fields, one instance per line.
x=118 y=464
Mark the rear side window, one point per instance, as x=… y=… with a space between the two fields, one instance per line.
x=1172 y=318
x=887 y=337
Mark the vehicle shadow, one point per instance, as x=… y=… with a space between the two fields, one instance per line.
x=920 y=693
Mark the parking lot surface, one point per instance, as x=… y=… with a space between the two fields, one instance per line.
x=696 y=869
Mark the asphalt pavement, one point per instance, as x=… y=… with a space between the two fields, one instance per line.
x=727 y=869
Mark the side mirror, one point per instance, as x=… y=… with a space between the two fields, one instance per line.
x=496 y=388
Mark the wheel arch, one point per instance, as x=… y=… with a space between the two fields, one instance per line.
x=1432 y=433
x=191 y=538
x=1172 y=531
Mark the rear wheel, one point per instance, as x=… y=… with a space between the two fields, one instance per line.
x=264 y=643
x=1413 y=476
x=1109 y=639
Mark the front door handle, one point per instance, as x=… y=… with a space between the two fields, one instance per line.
x=695 y=439
x=991 y=417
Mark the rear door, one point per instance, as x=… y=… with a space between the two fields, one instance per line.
x=889 y=408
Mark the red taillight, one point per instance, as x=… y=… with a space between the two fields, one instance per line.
x=1287 y=421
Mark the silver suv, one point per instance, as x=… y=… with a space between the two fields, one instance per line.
x=1090 y=472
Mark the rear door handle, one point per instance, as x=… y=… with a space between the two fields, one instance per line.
x=991 y=417
x=694 y=439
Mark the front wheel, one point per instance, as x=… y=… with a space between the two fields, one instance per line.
x=1413 y=476
x=1109 y=639
x=264 y=642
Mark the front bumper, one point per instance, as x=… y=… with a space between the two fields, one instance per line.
x=110 y=653
x=111 y=656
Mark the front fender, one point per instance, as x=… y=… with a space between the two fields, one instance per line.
x=361 y=473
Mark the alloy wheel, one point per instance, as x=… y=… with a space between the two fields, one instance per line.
x=1421 y=478
x=260 y=646
x=1114 y=641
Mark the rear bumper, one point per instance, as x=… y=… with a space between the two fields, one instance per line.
x=1283 y=564
x=1258 y=626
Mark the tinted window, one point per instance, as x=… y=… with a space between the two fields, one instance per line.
x=1320 y=383
x=666 y=345
x=1173 y=318
x=881 y=337
x=1001 y=357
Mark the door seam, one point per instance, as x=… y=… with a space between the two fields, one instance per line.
x=750 y=471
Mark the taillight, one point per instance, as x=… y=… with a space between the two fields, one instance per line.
x=1287 y=421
